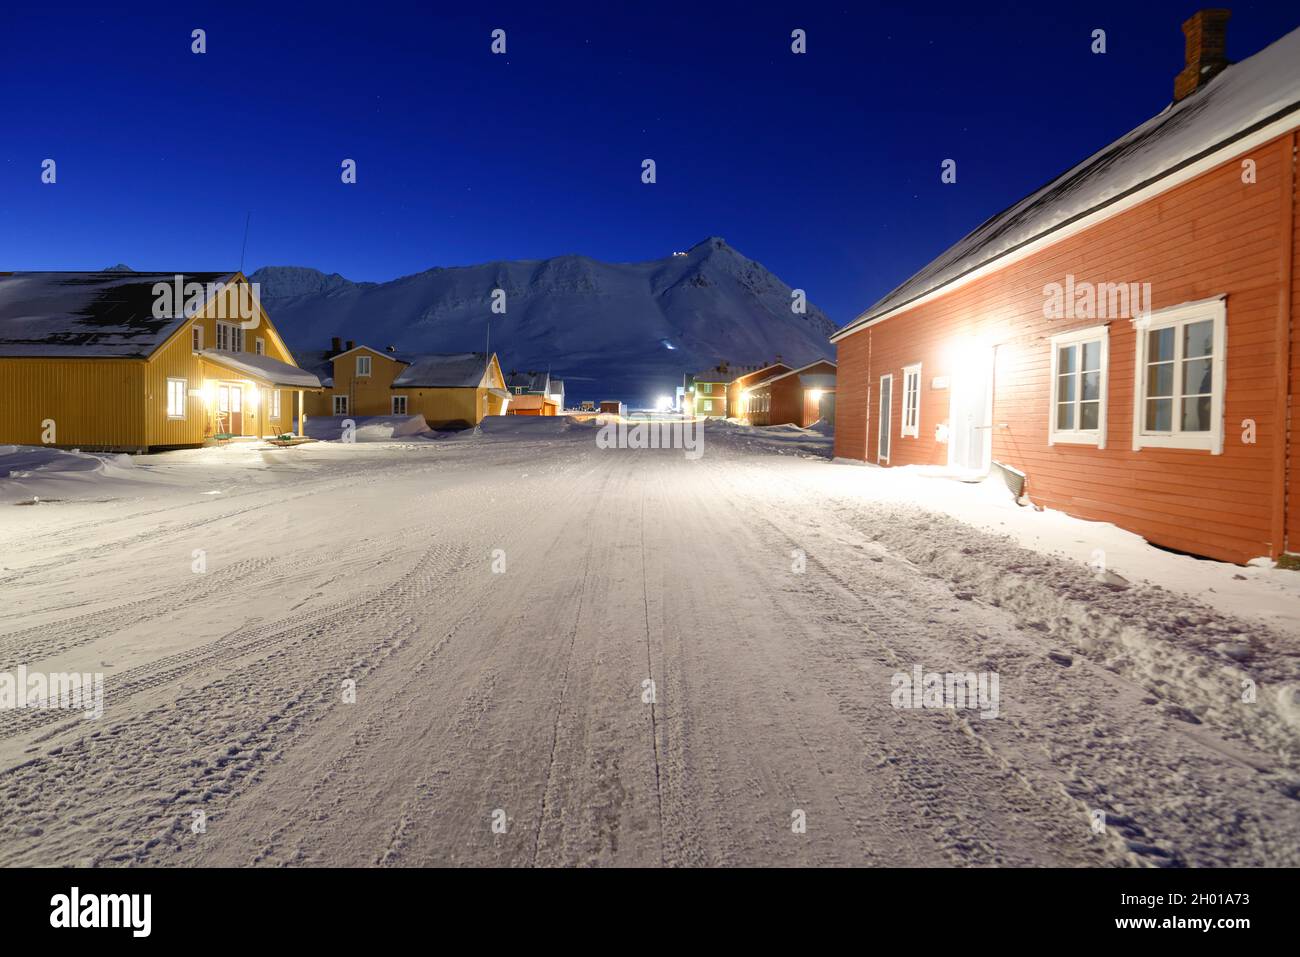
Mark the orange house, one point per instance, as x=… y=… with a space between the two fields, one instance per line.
x=533 y=405
x=1124 y=335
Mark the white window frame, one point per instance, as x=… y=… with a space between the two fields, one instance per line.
x=273 y=405
x=177 y=389
x=366 y=374
x=884 y=411
x=1077 y=436
x=230 y=337
x=334 y=404
x=405 y=405
x=196 y=337
x=1214 y=309
x=912 y=395
x=259 y=346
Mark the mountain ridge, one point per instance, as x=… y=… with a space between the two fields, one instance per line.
x=611 y=330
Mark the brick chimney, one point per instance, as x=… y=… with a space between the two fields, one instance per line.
x=1207 y=42
x=351 y=344
x=336 y=345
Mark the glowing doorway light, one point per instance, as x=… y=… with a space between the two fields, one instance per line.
x=664 y=403
x=816 y=395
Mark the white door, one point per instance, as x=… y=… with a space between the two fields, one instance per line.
x=970 y=414
x=884 y=426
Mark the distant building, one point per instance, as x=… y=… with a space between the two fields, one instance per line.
x=736 y=389
x=709 y=393
x=794 y=397
x=451 y=390
x=533 y=405
x=528 y=383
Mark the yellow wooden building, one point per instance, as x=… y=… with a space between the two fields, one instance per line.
x=451 y=390
x=131 y=361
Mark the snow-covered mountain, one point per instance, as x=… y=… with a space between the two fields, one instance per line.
x=610 y=330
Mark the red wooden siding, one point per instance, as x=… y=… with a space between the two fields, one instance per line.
x=1211 y=236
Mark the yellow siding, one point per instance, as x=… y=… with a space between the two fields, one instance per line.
x=445 y=408
x=122 y=403
x=373 y=395
x=367 y=395
x=228 y=302
x=176 y=359
x=94 y=403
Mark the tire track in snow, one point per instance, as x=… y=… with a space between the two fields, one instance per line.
x=1055 y=711
x=650 y=670
x=288 y=685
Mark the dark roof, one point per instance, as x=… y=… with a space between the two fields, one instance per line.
x=529 y=381
x=1245 y=96
x=714 y=375
x=810 y=379
x=317 y=361
x=451 y=370
x=81 y=314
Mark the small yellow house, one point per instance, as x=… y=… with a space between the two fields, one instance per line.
x=451 y=390
x=128 y=361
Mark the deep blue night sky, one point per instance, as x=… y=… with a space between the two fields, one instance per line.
x=824 y=167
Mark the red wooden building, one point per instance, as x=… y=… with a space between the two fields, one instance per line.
x=792 y=396
x=1125 y=335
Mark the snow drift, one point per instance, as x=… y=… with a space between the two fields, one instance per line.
x=368 y=428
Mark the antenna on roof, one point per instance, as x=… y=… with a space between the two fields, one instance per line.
x=242 y=248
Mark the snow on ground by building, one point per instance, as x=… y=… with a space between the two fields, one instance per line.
x=29 y=473
x=367 y=428
x=501 y=596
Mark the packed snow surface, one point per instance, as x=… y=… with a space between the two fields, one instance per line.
x=622 y=656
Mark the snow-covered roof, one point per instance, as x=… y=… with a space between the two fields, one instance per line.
x=715 y=375
x=802 y=372
x=263 y=367
x=767 y=368
x=451 y=370
x=529 y=381
x=319 y=361
x=1246 y=96
x=87 y=314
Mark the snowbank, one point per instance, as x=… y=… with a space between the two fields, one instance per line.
x=1255 y=593
x=29 y=472
x=814 y=442
x=529 y=426
x=368 y=428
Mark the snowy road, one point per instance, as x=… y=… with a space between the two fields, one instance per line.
x=520 y=695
